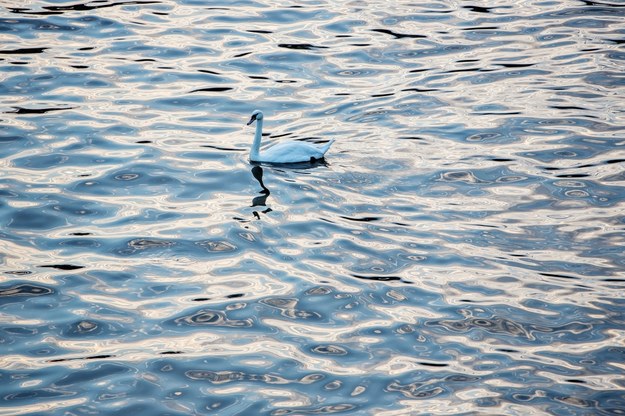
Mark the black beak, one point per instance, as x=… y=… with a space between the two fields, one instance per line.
x=253 y=119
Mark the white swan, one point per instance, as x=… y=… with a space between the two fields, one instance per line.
x=289 y=152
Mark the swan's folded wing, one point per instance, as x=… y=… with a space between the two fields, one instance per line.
x=291 y=152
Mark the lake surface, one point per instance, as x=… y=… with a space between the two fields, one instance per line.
x=459 y=251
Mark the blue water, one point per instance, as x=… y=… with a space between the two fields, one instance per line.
x=459 y=251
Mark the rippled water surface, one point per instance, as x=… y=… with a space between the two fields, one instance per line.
x=459 y=251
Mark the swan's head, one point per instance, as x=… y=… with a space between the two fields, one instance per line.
x=256 y=115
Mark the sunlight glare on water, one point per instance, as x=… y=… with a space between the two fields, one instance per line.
x=459 y=250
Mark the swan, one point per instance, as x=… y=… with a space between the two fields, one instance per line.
x=289 y=152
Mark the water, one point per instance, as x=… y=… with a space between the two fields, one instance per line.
x=460 y=251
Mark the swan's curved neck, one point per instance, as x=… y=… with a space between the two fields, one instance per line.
x=255 y=152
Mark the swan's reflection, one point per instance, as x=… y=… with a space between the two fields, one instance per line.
x=261 y=200
x=257 y=172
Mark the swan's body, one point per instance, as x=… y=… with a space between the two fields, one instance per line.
x=290 y=152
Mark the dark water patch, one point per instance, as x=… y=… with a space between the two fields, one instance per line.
x=617 y=42
x=452 y=71
x=420 y=89
x=479 y=9
x=436 y=365
x=515 y=65
x=212 y=89
x=601 y=3
x=62 y=266
x=301 y=46
x=235 y=295
x=567 y=107
x=511 y=113
x=22 y=51
x=89 y=6
x=91 y=357
x=361 y=219
x=508 y=350
x=479 y=28
x=575 y=381
x=558 y=275
x=398 y=35
x=225 y=149
x=21 y=110
x=208 y=71
x=378 y=278
x=20 y=10
x=390 y=94
x=573 y=175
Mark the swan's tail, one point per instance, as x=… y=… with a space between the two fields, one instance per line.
x=325 y=147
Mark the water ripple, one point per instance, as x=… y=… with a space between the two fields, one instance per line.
x=458 y=252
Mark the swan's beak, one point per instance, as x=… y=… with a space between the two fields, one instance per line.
x=252 y=119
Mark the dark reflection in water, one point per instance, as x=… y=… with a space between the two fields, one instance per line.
x=261 y=200
x=459 y=251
